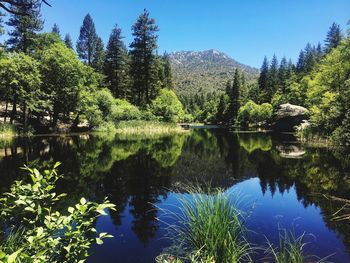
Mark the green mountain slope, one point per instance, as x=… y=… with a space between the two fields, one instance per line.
x=205 y=71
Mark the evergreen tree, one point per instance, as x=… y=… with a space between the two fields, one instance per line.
x=319 y=51
x=301 y=62
x=98 y=56
x=116 y=64
x=142 y=56
x=234 y=98
x=283 y=75
x=310 y=57
x=88 y=39
x=244 y=88
x=68 y=41
x=272 y=80
x=263 y=81
x=56 y=30
x=168 y=76
x=24 y=27
x=2 y=32
x=333 y=38
x=220 y=115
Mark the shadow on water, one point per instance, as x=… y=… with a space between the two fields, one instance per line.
x=137 y=173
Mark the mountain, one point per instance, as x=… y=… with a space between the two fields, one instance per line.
x=205 y=71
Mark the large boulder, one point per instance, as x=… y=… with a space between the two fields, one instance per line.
x=288 y=116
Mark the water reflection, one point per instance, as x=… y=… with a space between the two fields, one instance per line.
x=136 y=173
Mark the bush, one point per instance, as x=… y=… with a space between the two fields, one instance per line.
x=34 y=231
x=167 y=107
x=252 y=113
x=123 y=110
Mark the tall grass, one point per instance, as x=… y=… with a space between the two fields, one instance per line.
x=147 y=128
x=210 y=227
x=291 y=249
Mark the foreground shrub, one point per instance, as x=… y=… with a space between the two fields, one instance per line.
x=34 y=231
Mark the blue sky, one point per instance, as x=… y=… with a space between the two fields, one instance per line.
x=247 y=30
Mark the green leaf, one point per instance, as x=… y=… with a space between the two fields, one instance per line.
x=83 y=201
x=13 y=256
x=71 y=210
x=2 y=254
x=56 y=165
x=99 y=241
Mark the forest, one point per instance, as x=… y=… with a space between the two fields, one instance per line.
x=45 y=85
x=48 y=85
x=318 y=81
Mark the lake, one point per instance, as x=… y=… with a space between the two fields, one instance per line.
x=284 y=184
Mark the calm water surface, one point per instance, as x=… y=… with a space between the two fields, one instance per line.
x=283 y=185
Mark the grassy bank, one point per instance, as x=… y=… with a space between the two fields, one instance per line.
x=147 y=128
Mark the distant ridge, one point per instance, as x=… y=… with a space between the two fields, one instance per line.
x=205 y=71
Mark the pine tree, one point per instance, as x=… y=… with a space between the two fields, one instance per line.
x=333 y=38
x=301 y=62
x=142 y=56
x=116 y=64
x=98 y=56
x=56 y=30
x=2 y=30
x=319 y=50
x=272 y=80
x=283 y=75
x=168 y=81
x=263 y=79
x=87 y=42
x=234 y=98
x=24 y=27
x=310 y=57
x=244 y=88
x=68 y=41
x=220 y=115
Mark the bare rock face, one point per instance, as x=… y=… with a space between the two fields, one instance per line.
x=288 y=116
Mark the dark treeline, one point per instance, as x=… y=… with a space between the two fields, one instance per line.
x=44 y=82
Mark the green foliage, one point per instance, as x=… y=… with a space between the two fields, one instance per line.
x=212 y=226
x=116 y=65
x=328 y=92
x=88 y=41
x=167 y=106
x=143 y=58
x=63 y=76
x=39 y=233
x=252 y=113
x=291 y=249
x=124 y=111
x=7 y=130
x=24 y=27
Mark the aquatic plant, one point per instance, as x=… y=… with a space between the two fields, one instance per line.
x=291 y=249
x=209 y=226
x=32 y=230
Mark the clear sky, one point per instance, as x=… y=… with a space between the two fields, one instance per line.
x=247 y=30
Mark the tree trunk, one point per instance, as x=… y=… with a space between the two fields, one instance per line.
x=7 y=104
x=25 y=117
x=14 y=109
